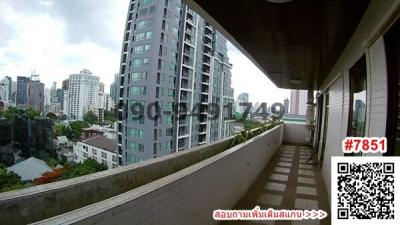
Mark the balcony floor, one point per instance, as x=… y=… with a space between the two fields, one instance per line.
x=287 y=182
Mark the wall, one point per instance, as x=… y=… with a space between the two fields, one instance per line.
x=294 y=133
x=367 y=39
x=188 y=196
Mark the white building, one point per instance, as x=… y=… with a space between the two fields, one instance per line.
x=298 y=102
x=83 y=92
x=99 y=148
x=109 y=103
x=5 y=89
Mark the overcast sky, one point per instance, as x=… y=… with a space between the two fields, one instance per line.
x=59 y=37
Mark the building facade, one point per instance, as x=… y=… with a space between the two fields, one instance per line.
x=83 y=89
x=99 y=148
x=298 y=102
x=172 y=62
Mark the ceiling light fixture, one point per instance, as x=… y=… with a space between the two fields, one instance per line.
x=278 y=1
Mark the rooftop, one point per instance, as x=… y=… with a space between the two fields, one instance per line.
x=103 y=143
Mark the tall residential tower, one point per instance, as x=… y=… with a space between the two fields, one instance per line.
x=171 y=58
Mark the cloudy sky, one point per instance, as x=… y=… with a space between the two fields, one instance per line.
x=59 y=37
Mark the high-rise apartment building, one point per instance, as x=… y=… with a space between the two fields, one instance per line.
x=114 y=88
x=298 y=102
x=36 y=95
x=5 y=89
x=171 y=58
x=286 y=105
x=82 y=92
x=22 y=91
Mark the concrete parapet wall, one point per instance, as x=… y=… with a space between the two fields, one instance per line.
x=188 y=196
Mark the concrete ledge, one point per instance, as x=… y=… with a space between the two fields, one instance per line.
x=294 y=133
x=188 y=196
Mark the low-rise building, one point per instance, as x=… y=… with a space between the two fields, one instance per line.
x=97 y=130
x=30 y=169
x=99 y=148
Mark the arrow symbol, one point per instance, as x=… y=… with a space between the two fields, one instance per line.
x=322 y=214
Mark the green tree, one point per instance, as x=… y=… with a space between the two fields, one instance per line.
x=110 y=116
x=90 y=117
x=60 y=130
x=9 y=180
x=31 y=114
x=87 y=167
x=75 y=129
x=51 y=115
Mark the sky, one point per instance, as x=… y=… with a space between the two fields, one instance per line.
x=56 y=38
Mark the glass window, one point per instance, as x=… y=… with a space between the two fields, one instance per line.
x=171 y=92
x=138 y=90
x=358 y=96
x=140 y=36
x=139 y=49
x=147 y=48
x=104 y=155
x=169 y=120
x=149 y=35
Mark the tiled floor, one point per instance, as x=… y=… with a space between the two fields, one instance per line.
x=288 y=182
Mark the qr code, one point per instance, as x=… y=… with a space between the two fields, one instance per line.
x=365 y=189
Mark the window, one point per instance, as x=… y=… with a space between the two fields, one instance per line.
x=139 y=76
x=175 y=31
x=170 y=106
x=140 y=36
x=138 y=90
x=169 y=132
x=94 y=151
x=114 y=158
x=137 y=133
x=171 y=92
x=136 y=147
x=358 y=96
x=144 y=23
x=85 y=155
x=139 y=62
x=169 y=120
x=143 y=12
x=139 y=49
x=104 y=155
x=104 y=162
x=149 y=35
x=147 y=48
x=144 y=2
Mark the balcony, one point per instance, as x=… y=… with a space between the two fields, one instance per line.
x=168 y=184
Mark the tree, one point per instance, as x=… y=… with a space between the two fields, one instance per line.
x=90 y=118
x=75 y=129
x=51 y=116
x=9 y=180
x=87 y=167
x=110 y=116
x=31 y=114
x=60 y=130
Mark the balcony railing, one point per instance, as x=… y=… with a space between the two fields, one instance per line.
x=121 y=194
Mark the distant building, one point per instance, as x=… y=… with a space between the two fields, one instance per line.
x=83 y=92
x=286 y=105
x=30 y=169
x=36 y=96
x=22 y=92
x=97 y=130
x=99 y=148
x=242 y=98
x=5 y=90
x=109 y=103
x=114 y=89
x=298 y=102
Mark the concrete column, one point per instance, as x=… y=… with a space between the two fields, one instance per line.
x=310 y=117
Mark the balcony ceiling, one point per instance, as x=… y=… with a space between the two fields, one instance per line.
x=294 y=43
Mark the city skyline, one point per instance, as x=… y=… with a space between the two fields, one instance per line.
x=68 y=39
